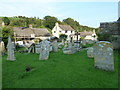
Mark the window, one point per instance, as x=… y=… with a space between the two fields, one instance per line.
x=71 y=31
x=59 y=31
x=32 y=35
x=66 y=31
x=54 y=31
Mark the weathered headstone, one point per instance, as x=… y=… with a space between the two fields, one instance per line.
x=2 y=48
x=77 y=45
x=69 y=49
x=55 y=46
x=51 y=48
x=90 y=52
x=44 y=52
x=37 y=48
x=83 y=42
x=103 y=55
x=32 y=48
x=10 y=50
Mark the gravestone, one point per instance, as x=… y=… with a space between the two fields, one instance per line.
x=10 y=50
x=90 y=52
x=51 y=48
x=44 y=52
x=55 y=46
x=31 y=48
x=84 y=42
x=77 y=45
x=2 y=48
x=103 y=56
x=69 y=49
x=37 y=48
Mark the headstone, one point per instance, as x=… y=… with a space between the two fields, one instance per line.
x=51 y=48
x=77 y=45
x=90 y=52
x=31 y=48
x=84 y=42
x=63 y=41
x=55 y=46
x=44 y=52
x=69 y=49
x=103 y=55
x=90 y=41
x=60 y=45
x=10 y=50
x=2 y=48
x=37 y=48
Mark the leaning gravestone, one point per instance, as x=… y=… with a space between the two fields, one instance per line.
x=31 y=48
x=55 y=46
x=44 y=52
x=103 y=55
x=10 y=50
x=90 y=52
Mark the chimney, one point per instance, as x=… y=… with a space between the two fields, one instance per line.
x=56 y=24
x=3 y=24
x=30 y=26
x=94 y=31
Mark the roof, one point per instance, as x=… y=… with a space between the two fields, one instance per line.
x=66 y=27
x=86 y=33
x=26 y=32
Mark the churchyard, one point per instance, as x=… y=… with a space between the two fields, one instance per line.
x=63 y=66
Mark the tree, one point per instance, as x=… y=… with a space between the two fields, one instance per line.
x=6 y=32
x=74 y=24
x=49 y=21
x=63 y=36
x=6 y=20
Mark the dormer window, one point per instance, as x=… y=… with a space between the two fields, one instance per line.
x=66 y=31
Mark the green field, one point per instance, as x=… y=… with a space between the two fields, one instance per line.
x=59 y=71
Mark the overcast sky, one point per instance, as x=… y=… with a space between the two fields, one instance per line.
x=86 y=12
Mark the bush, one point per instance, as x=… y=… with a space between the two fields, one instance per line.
x=87 y=45
x=106 y=37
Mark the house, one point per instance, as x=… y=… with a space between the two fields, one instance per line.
x=30 y=33
x=64 y=29
x=91 y=35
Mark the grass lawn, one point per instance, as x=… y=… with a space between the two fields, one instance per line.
x=59 y=71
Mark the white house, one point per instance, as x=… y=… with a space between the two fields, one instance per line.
x=91 y=35
x=64 y=29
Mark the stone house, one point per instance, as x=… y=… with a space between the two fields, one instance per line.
x=64 y=29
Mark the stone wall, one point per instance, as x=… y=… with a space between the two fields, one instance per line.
x=112 y=28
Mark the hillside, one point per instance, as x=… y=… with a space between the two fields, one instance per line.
x=46 y=22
